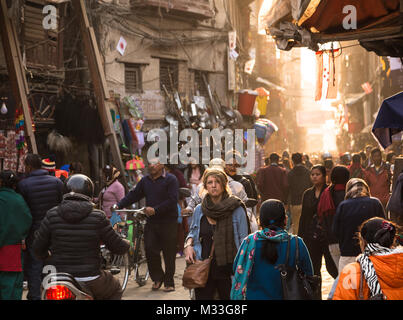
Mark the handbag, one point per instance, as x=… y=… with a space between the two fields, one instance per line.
x=196 y=274
x=296 y=284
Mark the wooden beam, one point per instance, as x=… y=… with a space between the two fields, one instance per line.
x=99 y=83
x=16 y=71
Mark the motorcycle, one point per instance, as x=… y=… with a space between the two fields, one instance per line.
x=63 y=286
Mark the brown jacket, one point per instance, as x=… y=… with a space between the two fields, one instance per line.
x=272 y=183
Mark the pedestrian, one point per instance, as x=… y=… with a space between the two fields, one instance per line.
x=272 y=180
x=307 y=163
x=193 y=174
x=299 y=179
x=357 y=207
x=220 y=219
x=330 y=199
x=378 y=177
x=356 y=169
x=111 y=193
x=15 y=222
x=390 y=160
x=256 y=274
x=377 y=274
x=69 y=239
x=41 y=192
x=160 y=190
x=368 y=161
x=172 y=169
x=308 y=224
x=394 y=208
x=236 y=188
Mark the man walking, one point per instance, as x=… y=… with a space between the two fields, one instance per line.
x=272 y=180
x=378 y=177
x=160 y=190
x=299 y=180
x=41 y=193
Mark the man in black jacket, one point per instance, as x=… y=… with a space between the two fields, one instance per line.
x=298 y=180
x=73 y=232
x=41 y=192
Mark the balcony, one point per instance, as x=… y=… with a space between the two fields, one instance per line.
x=200 y=10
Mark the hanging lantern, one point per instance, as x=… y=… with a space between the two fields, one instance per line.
x=3 y=109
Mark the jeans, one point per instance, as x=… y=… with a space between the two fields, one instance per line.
x=161 y=237
x=33 y=273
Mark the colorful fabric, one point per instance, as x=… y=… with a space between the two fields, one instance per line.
x=326 y=205
x=244 y=259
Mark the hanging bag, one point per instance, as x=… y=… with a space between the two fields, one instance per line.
x=295 y=283
x=196 y=274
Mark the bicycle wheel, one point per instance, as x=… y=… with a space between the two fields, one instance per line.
x=118 y=265
x=141 y=273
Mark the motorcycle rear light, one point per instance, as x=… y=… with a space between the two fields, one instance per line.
x=59 y=292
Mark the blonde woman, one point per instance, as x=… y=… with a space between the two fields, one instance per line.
x=222 y=217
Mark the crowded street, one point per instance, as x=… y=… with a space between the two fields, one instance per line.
x=213 y=154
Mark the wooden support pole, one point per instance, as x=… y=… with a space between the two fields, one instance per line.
x=16 y=71
x=99 y=82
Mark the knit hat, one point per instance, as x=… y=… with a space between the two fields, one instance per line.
x=217 y=163
x=48 y=164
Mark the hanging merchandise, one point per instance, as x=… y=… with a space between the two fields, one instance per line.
x=249 y=65
x=134 y=107
x=264 y=130
x=326 y=84
x=135 y=164
x=262 y=100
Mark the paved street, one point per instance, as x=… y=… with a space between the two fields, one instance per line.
x=134 y=292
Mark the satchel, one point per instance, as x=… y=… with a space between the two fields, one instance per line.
x=196 y=274
x=295 y=283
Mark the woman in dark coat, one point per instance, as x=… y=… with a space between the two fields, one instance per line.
x=308 y=224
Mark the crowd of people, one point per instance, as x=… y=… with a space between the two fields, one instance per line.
x=343 y=211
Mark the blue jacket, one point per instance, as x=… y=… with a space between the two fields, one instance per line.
x=238 y=221
x=160 y=194
x=264 y=282
x=41 y=192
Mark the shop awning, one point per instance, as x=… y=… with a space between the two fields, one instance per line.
x=308 y=23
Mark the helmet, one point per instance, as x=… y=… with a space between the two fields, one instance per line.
x=79 y=183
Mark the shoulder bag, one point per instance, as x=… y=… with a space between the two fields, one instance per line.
x=196 y=274
x=295 y=283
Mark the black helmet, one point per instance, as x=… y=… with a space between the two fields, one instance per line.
x=79 y=183
x=8 y=179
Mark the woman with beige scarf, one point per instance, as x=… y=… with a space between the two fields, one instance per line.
x=220 y=219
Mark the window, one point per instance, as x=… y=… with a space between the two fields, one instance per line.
x=199 y=85
x=169 y=74
x=133 y=80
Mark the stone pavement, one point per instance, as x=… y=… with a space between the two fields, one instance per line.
x=134 y=292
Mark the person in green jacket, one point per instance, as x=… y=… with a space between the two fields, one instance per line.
x=15 y=221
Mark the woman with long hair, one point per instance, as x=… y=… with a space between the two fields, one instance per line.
x=377 y=274
x=309 y=230
x=331 y=197
x=256 y=273
x=220 y=219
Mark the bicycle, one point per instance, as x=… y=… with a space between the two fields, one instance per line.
x=131 y=228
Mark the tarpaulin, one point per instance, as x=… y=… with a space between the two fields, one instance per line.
x=389 y=120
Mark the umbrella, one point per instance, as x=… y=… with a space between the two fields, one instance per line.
x=389 y=120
